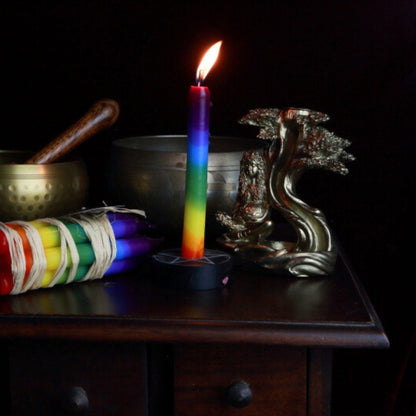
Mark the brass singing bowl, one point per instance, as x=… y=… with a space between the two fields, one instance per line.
x=31 y=191
x=149 y=172
x=43 y=184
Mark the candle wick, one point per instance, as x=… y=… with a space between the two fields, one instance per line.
x=199 y=78
x=198 y=81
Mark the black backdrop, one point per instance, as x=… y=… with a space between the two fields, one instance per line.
x=354 y=60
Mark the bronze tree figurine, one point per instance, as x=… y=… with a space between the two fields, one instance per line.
x=297 y=142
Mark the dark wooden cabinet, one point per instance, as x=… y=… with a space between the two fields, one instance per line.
x=60 y=377
x=125 y=346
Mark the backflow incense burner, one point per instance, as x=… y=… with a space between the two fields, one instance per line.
x=267 y=181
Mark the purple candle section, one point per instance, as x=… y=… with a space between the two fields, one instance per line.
x=199 y=100
x=125 y=225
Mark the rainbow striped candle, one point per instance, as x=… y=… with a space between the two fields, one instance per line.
x=193 y=238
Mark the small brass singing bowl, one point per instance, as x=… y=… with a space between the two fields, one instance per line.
x=32 y=191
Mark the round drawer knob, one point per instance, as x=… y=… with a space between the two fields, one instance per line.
x=239 y=394
x=75 y=402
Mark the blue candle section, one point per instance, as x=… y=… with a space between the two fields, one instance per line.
x=135 y=246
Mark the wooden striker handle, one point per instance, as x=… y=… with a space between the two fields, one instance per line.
x=100 y=116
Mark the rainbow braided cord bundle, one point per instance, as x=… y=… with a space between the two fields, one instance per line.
x=79 y=247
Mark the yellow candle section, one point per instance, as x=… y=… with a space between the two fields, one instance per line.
x=53 y=260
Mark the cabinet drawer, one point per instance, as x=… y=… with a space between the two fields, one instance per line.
x=109 y=378
x=275 y=377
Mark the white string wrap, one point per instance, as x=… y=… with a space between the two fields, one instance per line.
x=98 y=230
x=101 y=235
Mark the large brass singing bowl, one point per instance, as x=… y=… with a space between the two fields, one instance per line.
x=31 y=191
x=149 y=173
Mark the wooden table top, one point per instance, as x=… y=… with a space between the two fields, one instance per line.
x=257 y=307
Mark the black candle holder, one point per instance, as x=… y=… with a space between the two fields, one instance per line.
x=212 y=271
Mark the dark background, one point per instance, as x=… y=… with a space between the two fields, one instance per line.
x=354 y=60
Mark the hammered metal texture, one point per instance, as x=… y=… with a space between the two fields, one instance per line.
x=30 y=191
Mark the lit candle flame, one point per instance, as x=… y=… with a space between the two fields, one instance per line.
x=207 y=62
